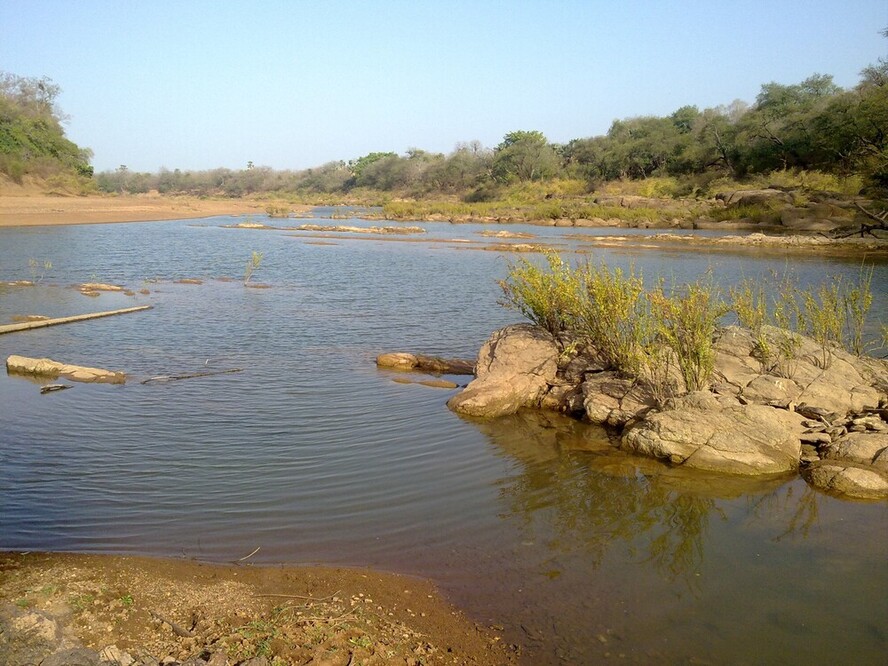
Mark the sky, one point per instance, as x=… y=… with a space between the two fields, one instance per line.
x=200 y=84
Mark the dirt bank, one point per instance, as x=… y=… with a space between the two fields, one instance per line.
x=169 y=611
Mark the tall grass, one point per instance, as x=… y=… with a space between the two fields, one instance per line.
x=685 y=320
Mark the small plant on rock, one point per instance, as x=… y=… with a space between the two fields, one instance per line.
x=613 y=318
x=38 y=270
x=253 y=264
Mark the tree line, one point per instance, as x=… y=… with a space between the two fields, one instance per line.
x=813 y=125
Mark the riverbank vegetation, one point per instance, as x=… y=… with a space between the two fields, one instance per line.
x=663 y=333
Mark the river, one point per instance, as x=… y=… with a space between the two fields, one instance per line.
x=531 y=523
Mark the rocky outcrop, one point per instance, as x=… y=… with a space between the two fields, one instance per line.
x=754 y=197
x=825 y=412
x=45 y=367
x=515 y=368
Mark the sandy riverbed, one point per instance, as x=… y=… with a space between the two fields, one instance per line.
x=30 y=206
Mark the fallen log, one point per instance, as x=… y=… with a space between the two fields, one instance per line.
x=51 y=388
x=443 y=366
x=28 y=325
x=46 y=367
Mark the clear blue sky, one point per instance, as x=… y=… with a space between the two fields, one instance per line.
x=197 y=84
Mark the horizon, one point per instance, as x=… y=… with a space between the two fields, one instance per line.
x=200 y=86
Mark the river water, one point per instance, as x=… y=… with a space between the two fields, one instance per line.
x=531 y=523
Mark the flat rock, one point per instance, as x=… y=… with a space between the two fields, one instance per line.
x=46 y=367
x=407 y=361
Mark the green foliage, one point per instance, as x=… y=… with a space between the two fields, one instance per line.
x=32 y=140
x=524 y=156
x=749 y=300
x=612 y=317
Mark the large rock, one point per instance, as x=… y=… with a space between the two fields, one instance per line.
x=699 y=432
x=45 y=367
x=855 y=465
x=866 y=448
x=846 y=384
x=515 y=368
x=754 y=197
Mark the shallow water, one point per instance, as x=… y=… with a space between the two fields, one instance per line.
x=312 y=454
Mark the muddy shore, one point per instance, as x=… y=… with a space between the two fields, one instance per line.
x=153 y=611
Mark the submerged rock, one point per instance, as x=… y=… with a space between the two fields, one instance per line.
x=849 y=479
x=515 y=368
x=407 y=361
x=22 y=365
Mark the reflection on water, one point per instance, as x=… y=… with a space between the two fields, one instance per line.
x=533 y=522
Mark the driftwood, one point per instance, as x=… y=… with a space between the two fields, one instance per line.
x=880 y=219
x=177 y=629
x=169 y=378
x=28 y=325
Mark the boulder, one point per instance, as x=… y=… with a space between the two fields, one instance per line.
x=865 y=448
x=699 y=432
x=515 y=368
x=46 y=367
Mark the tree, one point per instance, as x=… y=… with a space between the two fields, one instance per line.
x=524 y=155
